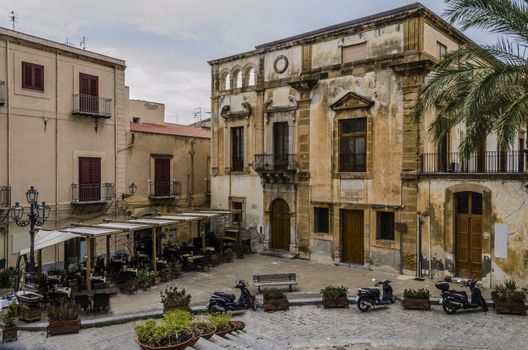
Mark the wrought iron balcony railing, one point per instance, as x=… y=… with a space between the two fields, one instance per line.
x=90 y=193
x=275 y=162
x=5 y=197
x=92 y=106
x=2 y=92
x=493 y=162
x=168 y=189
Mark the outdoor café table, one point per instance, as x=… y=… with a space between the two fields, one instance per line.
x=192 y=258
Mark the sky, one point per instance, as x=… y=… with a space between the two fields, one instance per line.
x=166 y=43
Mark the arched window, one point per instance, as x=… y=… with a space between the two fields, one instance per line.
x=224 y=81
x=239 y=79
x=250 y=76
x=227 y=82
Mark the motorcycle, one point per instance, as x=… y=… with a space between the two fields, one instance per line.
x=453 y=300
x=222 y=302
x=370 y=297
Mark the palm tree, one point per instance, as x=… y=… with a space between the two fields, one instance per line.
x=484 y=87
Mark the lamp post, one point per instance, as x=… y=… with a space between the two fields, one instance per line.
x=37 y=216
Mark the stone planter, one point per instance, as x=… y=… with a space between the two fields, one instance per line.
x=9 y=334
x=510 y=308
x=29 y=313
x=64 y=327
x=276 y=304
x=416 y=304
x=180 y=346
x=333 y=303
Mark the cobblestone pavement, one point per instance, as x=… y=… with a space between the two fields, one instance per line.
x=312 y=327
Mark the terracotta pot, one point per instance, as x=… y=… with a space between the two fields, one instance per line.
x=197 y=334
x=180 y=346
x=222 y=331
x=165 y=276
x=276 y=304
x=510 y=308
x=332 y=303
x=64 y=327
x=176 y=273
x=242 y=325
x=9 y=334
x=210 y=334
x=235 y=326
x=416 y=304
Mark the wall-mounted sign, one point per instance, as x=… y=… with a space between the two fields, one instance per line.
x=501 y=241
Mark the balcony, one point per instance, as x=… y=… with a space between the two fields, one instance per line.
x=2 y=92
x=275 y=163
x=494 y=162
x=164 y=190
x=5 y=197
x=92 y=106
x=84 y=194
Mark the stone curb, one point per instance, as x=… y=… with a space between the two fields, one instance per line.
x=120 y=319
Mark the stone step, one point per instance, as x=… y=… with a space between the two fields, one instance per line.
x=258 y=342
x=227 y=343
x=204 y=344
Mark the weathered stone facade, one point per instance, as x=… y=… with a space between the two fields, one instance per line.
x=368 y=69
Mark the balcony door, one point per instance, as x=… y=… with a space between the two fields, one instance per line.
x=88 y=93
x=162 y=177
x=468 y=235
x=89 y=179
x=280 y=145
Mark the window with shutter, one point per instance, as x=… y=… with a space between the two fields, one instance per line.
x=88 y=93
x=32 y=76
x=162 y=177
x=352 y=145
x=237 y=148
x=89 y=179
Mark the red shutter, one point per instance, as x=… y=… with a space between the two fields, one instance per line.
x=162 y=177
x=89 y=179
x=38 y=75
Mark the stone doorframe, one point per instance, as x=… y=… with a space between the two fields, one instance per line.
x=289 y=198
x=450 y=228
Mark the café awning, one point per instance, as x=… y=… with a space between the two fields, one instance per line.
x=125 y=226
x=45 y=239
x=180 y=218
x=92 y=231
x=153 y=222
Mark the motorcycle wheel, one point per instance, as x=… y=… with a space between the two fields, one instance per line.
x=362 y=305
x=484 y=305
x=392 y=299
x=448 y=309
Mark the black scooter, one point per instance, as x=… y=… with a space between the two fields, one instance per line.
x=453 y=300
x=370 y=297
x=222 y=302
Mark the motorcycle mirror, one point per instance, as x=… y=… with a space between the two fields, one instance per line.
x=373 y=280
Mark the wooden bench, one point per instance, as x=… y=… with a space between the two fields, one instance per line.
x=278 y=279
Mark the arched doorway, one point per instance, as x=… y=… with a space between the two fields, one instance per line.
x=280 y=224
x=468 y=235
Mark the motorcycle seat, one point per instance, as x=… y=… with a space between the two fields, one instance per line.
x=225 y=295
x=370 y=290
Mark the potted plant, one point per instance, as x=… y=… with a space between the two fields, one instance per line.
x=508 y=299
x=335 y=297
x=172 y=299
x=228 y=255
x=207 y=329
x=221 y=322
x=155 y=278
x=176 y=269
x=9 y=331
x=275 y=300
x=172 y=333
x=166 y=274
x=416 y=299
x=130 y=286
x=64 y=318
x=144 y=279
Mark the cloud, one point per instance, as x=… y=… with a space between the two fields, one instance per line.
x=167 y=43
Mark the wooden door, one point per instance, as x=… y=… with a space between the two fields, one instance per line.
x=280 y=145
x=162 y=177
x=88 y=93
x=280 y=225
x=468 y=242
x=352 y=243
x=89 y=179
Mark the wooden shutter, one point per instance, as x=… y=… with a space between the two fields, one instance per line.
x=162 y=177
x=89 y=179
x=27 y=75
x=38 y=75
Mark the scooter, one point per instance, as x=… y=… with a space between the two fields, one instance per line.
x=370 y=297
x=222 y=302
x=453 y=300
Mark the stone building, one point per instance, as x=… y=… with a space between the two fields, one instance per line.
x=168 y=162
x=313 y=138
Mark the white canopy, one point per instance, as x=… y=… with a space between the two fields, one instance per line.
x=153 y=221
x=91 y=231
x=178 y=217
x=123 y=226
x=203 y=215
x=45 y=239
x=219 y=212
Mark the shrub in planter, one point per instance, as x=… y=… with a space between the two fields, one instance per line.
x=176 y=269
x=172 y=299
x=144 y=279
x=166 y=275
x=275 y=300
x=335 y=297
x=155 y=278
x=9 y=332
x=173 y=332
x=207 y=329
x=416 y=299
x=221 y=322
x=64 y=318
x=130 y=286
x=508 y=298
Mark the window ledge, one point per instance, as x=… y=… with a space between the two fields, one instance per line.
x=385 y=243
x=343 y=175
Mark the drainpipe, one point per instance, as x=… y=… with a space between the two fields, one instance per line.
x=8 y=141
x=191 y=182
x=56 y=142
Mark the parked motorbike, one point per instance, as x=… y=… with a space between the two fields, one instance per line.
x=453 y=300
x=370 y=297
x=222 y=302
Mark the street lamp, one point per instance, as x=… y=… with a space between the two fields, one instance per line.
x=38 y=214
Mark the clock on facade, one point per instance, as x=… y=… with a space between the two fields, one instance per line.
x=280 y=64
